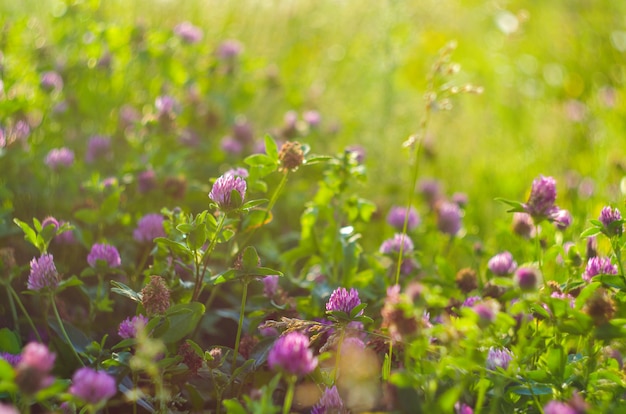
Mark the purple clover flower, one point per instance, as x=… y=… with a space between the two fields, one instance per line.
x=148 y=228
x=502 y=264
x=50 y=221
x=91 y=386
x=128 y=327
x=105 y=252
x=449 y=218
x=397 y=214
x=558 y=407
x=98 y=147
x=221 y=191
x=343 y=300
x=238 y=172
x=59 y=157
x=542 y=197
x=38 y=357
x=229 y=49
x=562 y=219
x=51 y=80
x=329 y=402
x=67 y=237
x=313 y=118
x=12 y=359
x=146 y=181
x=166 y=106
x=270 y=285
x=608 y=216
x=291 y=353
x=231 y=145
x=498 y=358
x=8 y=409
x=597 y=266
x=43 y=273
x=471 y=301
x=392 y=245
x=527 y=278
x=462 y=408
x=188 y=32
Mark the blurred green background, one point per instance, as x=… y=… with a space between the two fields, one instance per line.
x=553 y=77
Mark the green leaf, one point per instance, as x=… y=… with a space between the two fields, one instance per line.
x=87 y=215
x=357 y=309
x=271 y=149
x=611 y=280
x=9 y=341
x=591 y=231
x=250 y=259
x=183 y=319
x=316 y=159
x=536 y=389
x=69 y=282
x=260 y=160
x=517 y=207
x=110 y=205
x=29 y=234
x=220 y=278
x=178 y=249
x=253 y=203
x=122 y=289
x=234 y=407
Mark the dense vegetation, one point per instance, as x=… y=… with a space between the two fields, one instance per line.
x=315 y=206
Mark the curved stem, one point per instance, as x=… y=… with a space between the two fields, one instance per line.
x=65 y=335
x=338 y=356
x=244 y=296
x=291 y=385
x=14 y=314
x=23 y=309
x=205 y=259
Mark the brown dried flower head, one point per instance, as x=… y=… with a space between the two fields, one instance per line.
x=291 y=156
x=155 y=296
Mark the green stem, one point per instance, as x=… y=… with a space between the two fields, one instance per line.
x=14 y=314
x=142 y=263
x=291 y=385
x=23 y=309
x=65 y=335
x=618 y=255
x=338 y=356
x=205 y=258
x=244 y=296
x=538 y=248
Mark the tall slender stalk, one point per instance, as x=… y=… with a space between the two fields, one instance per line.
x=291 y=385
x=197 y=289
x=23 y=309
x=244 y=296
x=65 y=335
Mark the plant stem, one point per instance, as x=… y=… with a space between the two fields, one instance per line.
x=291 y=384
x=205 y=258
x=338 y=356
x=65 y=335
x=244 y=296
x=21 y=305
x=618 y=255
x=14 y=314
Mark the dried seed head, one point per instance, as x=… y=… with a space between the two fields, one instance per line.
x=466 y=280
x=291 y=156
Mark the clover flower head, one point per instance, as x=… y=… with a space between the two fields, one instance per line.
x=329 y=402
x=38 y=357
x=222 y=189
x=449 y=218
x=393 y=245
x=188 y=32
x=106 y=253
x=558 y=407
x=155 y=296
x=397 y=215
x=229 y=49
x=270 y=285
x=502 y=264
x=599 y=265
x=59 y=157
x=562 y=219
x=148 y=228
x=608 y=216
x=343 y=300
x=43 y=273
x=499 y=358
x=542 y=198
x=91 y=386
x=128 y=327
x=51 y=80
x=97 y=147
x=290 y=353
x=12 y=359
x=527 y=278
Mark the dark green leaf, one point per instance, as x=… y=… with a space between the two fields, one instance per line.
x=122 y=289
